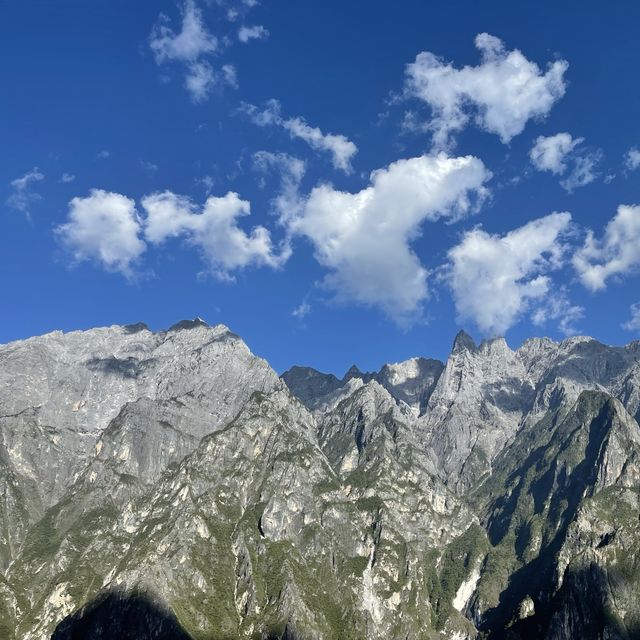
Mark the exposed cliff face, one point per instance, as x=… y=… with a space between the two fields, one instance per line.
x=171 y=485
x=78 y=398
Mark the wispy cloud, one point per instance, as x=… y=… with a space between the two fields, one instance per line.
x=186 y=45
x=563 y=155
x=633 y=324
x=302 y=310
x=558 y=309
x=342 y=149
x=23 y=195
x=254 y=32
x=189 y=46
x=149 y=167
x=632 y=159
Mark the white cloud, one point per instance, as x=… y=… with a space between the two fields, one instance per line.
x=364 y=238
x=214 y=230
x=291 y=170
x=23 y=197
x=340 y=147
x=558 y=308
x=495 y=278
x=230 y=75
x=255 y=32
x=104 y=228
x=208 y=182
x=616 y=254
x=302 y=310
x=199 y=80
x=632 y=159
x=560 y=152
x=549 y=153
x=502 y=93
x=633 y=324
x=103 y=155
x=584 y=171
x=67 y=177
x=149 y=167
x=189 y=47
x=23 y=183
x=189 y=44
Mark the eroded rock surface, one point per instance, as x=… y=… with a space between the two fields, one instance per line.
x=170 y=484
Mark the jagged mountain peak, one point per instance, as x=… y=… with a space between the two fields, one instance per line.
x=412 y=368
x=428 y=499
x=495 y=347
x=354 y=372
x=463 y=342
x=191 y=324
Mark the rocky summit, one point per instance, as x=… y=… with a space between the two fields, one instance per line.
x=170 y=485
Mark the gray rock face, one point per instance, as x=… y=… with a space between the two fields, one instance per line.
x=68 y=396
x=410 y=382
x=171 y=485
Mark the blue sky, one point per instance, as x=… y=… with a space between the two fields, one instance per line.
x=165 y=160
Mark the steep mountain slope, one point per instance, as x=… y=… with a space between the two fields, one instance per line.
x=67 y=396
x=561 y=513
x=170 y=485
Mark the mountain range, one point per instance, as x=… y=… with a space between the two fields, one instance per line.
x=170 y=485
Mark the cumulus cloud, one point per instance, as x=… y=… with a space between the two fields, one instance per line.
x=615 y=254
x=189 y=47
x=549 y=153
x=255 y=32
x=340 y=147
x=364 y=238
x=103 y=228
x=559 y=309
x=561 y=152
x=23 y=196
x=633 y=324
x=632 y=159
x=214 y=231
x=501 y=94
x=494 y=278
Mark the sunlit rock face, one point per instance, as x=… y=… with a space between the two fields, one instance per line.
x=170 y=485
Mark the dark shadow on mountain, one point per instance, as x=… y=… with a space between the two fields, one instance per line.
x=120 y=615
x=581 y=609
x=125 y=368
x=135 y=328
x=117 y=615
x=564 y=492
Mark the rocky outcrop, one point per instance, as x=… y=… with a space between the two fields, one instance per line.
x=169 y=484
